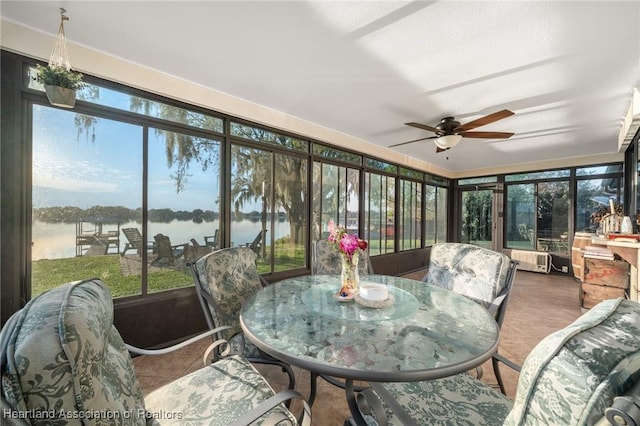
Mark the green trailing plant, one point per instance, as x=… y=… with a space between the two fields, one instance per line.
x=59 y=76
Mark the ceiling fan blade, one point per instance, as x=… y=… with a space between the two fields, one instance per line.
x=423 y=127
x=487 y=135
x=485 y=120
x=408 y=142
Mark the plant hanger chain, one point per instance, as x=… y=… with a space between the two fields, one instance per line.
x=59 y=57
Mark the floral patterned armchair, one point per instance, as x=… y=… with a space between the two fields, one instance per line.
x=64 y=363
x=572 y=377
x=326 y=261
x=224 y=280
x=483 y=275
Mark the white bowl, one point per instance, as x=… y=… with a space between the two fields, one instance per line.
x=373 y=291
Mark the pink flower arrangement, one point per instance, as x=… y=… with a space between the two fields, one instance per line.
x=343 y=241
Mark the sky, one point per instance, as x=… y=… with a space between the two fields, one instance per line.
x=69 y=168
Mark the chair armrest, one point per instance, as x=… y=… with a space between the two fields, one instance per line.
x=507 y=362
x=268 y=404
x=164 y=351
x=624 y=412
x=625 y=409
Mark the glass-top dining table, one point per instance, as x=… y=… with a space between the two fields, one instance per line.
x=421 y=332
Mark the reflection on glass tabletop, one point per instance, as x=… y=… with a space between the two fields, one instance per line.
x=426 y=333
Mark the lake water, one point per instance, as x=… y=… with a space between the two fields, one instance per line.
x=58 y=240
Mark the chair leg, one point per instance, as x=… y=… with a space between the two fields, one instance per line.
x=496 y=370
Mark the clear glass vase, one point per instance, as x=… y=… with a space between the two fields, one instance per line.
x=349 y=277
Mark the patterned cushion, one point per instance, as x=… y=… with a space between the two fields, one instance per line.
x=214 y=395
x=571 y=376
x=63 y=353
x=326 y=260
x=459 y=400
x=475 y=272
x=230 y=276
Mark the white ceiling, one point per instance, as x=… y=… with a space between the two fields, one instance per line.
x=567 y=69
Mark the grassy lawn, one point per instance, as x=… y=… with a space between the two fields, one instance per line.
x=288 y=256
x=50 y=273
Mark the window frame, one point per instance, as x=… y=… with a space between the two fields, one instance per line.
x=353 y=160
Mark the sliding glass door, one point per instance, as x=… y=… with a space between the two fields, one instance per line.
x=477 y=217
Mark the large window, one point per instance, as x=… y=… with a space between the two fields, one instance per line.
x=553 y=217
x=291 y=207
x=595 y=187
x=520 y=216
x=537 y=213
x=270 y=207
x=435 y=219
x=477 y=217
x=183 y=206
x=87 y=198
x=380 y=197
x=335 y=197
x=410 y=226
x=251 y=189
x=85 y=191
x=538 y=206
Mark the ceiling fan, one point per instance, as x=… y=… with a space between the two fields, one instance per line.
x=449 y=132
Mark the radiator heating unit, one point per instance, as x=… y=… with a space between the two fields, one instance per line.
x=534 y=261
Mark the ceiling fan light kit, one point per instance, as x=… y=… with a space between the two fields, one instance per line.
x=448 y=141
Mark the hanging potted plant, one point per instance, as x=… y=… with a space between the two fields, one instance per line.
x=60 y=84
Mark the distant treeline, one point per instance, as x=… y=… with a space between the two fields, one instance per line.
x=118 y=214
